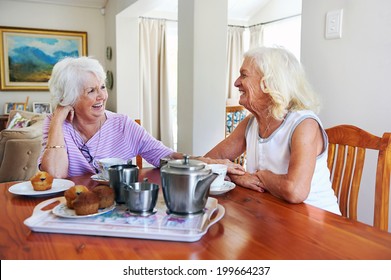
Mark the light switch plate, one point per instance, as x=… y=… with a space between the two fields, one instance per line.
x=334 y=24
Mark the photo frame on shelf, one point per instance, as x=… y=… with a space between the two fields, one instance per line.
x=20 y=106
x=42 y=107
x=27 y=55
x=8 y=107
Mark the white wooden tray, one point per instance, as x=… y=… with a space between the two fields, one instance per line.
x=121 y=223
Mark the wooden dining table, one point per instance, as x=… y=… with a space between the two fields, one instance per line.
x=254 y=226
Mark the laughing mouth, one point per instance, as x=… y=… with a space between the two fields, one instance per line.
x=97 y=106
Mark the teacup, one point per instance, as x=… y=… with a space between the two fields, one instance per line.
x=220 y=169
x=105 y=163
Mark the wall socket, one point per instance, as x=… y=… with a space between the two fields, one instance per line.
x=334 y=24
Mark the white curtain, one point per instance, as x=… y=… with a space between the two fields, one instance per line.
x=234 y=57
x=155 y=108
x=256 y=36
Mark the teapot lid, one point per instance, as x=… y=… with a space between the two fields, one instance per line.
x=187 y=164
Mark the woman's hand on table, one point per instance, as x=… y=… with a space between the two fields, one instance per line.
x=249 y=181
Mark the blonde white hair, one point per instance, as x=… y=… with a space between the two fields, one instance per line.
x=284 y=79
x=69 y=76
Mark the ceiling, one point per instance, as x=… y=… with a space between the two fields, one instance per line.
x=97 y=4
x=237 y=9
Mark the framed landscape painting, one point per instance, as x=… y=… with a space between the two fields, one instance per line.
x=27 y=55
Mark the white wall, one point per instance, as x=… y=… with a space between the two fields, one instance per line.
x=122 y=36
x=352 y=74
x=43 y=16
x=202 y=64
x=276 y=9
x=203 y=91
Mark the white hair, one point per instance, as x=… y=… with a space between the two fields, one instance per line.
x=69 y=76
x=284 y=79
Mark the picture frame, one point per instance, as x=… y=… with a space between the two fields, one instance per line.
x=42 y=107
x=27 y=55
x=20 y=106
x=8 y=107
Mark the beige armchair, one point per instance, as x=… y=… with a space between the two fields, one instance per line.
x=20 y=148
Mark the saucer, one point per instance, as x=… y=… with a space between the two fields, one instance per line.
x=226 y=187
x=99 y=178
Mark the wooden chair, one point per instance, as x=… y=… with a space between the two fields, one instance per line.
x=346 y=156
x=234 y=115
x=139 y=159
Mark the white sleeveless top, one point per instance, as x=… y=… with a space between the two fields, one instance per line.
x=273 y=153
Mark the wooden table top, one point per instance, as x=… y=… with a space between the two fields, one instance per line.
x=255 y=226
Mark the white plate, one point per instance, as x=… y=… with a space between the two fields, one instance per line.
x=226 y=187
x=25 y=188
x=63 y=211
x=99 y=178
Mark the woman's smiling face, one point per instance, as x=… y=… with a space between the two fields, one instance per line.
x=92 y=101
x=249 y=86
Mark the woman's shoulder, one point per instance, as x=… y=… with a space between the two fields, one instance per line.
x=113 y=115
x=295 y=118
x=121 y=120
x=116 y=117
x=299 y=116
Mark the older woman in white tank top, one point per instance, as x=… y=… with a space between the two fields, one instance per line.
x=284 y=140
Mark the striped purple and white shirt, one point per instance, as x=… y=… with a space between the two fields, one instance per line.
x=119 y=137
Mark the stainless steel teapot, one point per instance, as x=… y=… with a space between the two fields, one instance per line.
x=186 y=183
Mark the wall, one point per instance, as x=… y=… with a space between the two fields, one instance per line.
x=276 y=9
x=121 y=36
x=35 y=15
x=126 y=46
x=351 y=74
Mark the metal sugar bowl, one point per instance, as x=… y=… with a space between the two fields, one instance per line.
x=186 y=183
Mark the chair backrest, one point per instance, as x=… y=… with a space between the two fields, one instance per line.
x=346 y=160
x=139 y=159
x=234 y=115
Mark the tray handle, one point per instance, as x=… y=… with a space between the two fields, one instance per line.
x=38 y=212
x=218 y=217
x=38 y=209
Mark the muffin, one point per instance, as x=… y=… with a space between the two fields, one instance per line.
x=42 y=181
x=105 y=194
x=86 y=203
x=72 y=193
